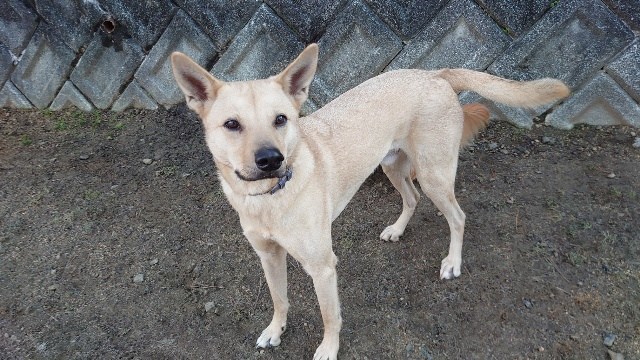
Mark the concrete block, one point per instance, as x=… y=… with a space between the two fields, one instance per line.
x=17 y=24
x=221 y=20
x=516 y=16
x=628 y=10
x=601 y=102
x=308 y=18
x=308 y=108
x=357 y=47
x=44 y=67
x=462 y=35
x=74 y=21
x=155 y=74
x=134 y=96
x=144 y=20
x=101 y=70
x=406 y=18
x=70 y=96
x=261 y=49
x=517 y=116
x=6 y=64
x=571 y=42
x=626 y=70
x=10 y=96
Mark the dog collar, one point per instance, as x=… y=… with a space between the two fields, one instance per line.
x=288 y=174
x=282 y=181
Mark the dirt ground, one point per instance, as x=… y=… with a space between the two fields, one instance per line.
x=116 y=242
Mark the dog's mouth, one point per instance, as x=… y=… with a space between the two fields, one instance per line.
x=261 y=176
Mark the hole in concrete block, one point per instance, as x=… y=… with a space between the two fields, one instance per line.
x=108 y=25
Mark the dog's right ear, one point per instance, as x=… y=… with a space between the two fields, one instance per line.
x=195 y=82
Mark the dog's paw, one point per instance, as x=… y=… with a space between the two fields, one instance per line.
x=391 y=234
x=450 y=267
x=328 y=350
x=270 y=336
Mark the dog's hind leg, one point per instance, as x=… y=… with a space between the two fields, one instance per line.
x=397 y=167
x=439 y=187
x=274 y=262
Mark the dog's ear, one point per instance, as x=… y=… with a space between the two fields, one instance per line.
x=195 y=82
x=297 y=77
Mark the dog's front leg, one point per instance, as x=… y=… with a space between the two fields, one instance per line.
x=323 y=272
x=274 y=262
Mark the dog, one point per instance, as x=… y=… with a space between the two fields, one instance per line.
x=289 y=177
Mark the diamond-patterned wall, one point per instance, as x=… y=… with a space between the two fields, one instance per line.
x=114 y=54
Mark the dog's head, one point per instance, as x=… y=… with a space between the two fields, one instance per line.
x=250 y=126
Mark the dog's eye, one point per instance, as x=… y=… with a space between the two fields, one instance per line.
x=280 y=120
x=232 y=125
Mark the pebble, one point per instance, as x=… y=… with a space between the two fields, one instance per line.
x=83 y=157
x=527 y=303
x=208 y=306
x=609 y=339
x=541 y=349
x=504 y=151
x=53 y=287
x=611 y=175
x=153 y=261
x=548 y=140
x=147 y=161
x=615 y=355
x=493 y=146
x=138 y=278
x=636 y=143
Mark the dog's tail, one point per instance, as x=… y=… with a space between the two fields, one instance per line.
x=476 y=118
x=528 y=94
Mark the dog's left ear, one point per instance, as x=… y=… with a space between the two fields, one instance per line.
x=297 y=77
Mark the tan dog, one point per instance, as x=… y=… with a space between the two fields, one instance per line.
x=409 y=121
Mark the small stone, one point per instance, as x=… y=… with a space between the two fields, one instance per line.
x=53 y=287
x=504 y=151
x=615 y=355
x=42 y=346
x=138 y=278
x=83 y=157
x=548 y=140
x=511 y=200
x=409 y=347
x=541 y=349
x=153 y=261
x=493 y=146
x=609 y=339
x=208 y=306
x=527 y=303
x=611 y=175
x=580 y=283
x=147 y=161
x=636 y=143
x=425 y=353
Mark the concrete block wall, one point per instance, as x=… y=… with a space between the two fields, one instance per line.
x=114 y=54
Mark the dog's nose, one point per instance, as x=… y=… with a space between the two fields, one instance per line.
x=268 y=159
